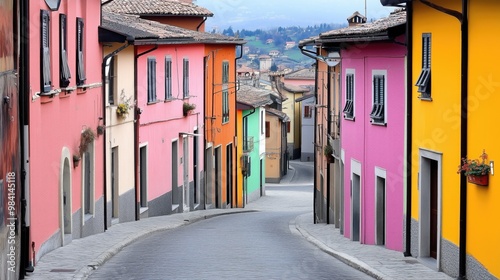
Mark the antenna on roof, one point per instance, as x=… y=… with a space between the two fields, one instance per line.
x=366 y=15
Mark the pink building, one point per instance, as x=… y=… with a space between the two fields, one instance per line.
x=372 y=130
x=364 y=189
x=65 y=108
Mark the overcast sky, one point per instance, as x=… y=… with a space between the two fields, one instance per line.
x=265 y=14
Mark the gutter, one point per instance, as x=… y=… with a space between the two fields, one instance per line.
x=203 y=21
x=103 y=75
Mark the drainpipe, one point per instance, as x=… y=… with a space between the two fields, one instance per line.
x=137 y=114
x=329 y=132
x=316 y=58
x=235 y=148
x=463 y=138
x=205 y=122
x=103 y=75
x=197 y=27
x=409 y=124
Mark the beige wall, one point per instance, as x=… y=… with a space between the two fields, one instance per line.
x=273 y=148
x=120 y=131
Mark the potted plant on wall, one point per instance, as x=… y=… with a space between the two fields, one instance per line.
x=328 y=152
x=476 y=170
x=86 y=138
x=124 y=106
x=187 y=107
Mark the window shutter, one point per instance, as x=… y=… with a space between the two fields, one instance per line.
x=79 y=52
x=151 y=79
x=45 y=52
x=168 y=78
x=111 y=81
x=64 y=72
x=185 y=72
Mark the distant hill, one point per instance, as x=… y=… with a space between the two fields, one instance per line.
x=260 y=42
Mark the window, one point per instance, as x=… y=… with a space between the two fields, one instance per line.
x=185 y=78
x=80 y=79
x=111 y=80
x=349 y=96
x=168 y=78
x=378 y=109
x=45 y=52
x=225 y=104
x=268 y=129
x=65 y=74
x=307 y=112
x=424 y=80
x=151 y=79
x=225 y=72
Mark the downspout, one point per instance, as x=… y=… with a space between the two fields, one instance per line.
x=235 y=152
x=315 y=184
x=24 y=122
x=463 y=138
x=409 y=124
x=329 y=132
x=197 y=27
x=205 y=77
x=137 y=114
x=104 y=150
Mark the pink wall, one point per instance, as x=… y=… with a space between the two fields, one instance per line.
x=376 y=145
x=161 y=122
x=56 y=122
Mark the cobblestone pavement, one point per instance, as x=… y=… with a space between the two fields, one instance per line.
x=82 y=256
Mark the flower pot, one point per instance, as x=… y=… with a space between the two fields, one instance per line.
x=481 y=180
x=330 y=159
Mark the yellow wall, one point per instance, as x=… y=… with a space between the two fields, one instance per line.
x=436 y=123
x=483 y=227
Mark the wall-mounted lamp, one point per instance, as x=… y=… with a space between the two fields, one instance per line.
x=332 y=59
x=492 y=164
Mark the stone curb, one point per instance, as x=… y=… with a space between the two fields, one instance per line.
x=345 y=258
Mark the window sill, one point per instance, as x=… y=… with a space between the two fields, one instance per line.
x=425 y=98
x=153 y=102
x=349 y=118
x=168 y=100
x=378 y=123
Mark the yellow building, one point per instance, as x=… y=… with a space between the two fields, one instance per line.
x=452 y=86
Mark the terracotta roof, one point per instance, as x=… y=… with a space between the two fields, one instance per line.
x=294 y=88
x=302 y=74
x=305 y=97
x=156 y=7
x=372 y=31
x=253 y=96
x=135 y=28
x=396 y=18
x=283 y=116
x=244 y=69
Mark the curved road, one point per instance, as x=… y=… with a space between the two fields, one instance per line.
x=256 y=245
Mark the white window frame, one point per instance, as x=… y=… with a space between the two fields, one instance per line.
x=384 y=74
x=353 y=73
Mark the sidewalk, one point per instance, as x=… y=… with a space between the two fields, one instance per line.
x=78 y=259
x=375 y=261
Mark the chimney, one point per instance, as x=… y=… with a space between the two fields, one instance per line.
x=356 y=19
